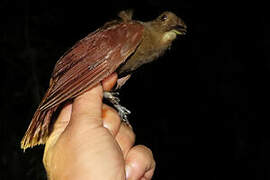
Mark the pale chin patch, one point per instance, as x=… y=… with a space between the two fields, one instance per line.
x=169 y=36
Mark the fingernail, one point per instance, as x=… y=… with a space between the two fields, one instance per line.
x=127 y=168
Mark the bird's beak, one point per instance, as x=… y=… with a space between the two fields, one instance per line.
x=180 y=28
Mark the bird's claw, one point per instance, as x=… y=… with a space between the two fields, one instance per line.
x=112 y=97
x=122 y=111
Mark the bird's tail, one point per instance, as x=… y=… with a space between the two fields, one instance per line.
x=38 y=130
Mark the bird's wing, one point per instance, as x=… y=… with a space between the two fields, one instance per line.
x=90 y=60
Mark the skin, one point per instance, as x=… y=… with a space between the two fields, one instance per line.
x=90 y=142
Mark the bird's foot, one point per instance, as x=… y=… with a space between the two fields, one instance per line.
x=112 y=97
x=122 y=111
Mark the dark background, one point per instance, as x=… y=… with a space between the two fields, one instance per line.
x=202 y=108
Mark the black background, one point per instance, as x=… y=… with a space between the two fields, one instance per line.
x=202 y=108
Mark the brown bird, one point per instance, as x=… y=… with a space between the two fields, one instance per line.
x=119 y=46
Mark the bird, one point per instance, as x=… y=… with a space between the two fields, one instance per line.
x=121 y=46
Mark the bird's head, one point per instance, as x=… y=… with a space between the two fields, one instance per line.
x=169 y=25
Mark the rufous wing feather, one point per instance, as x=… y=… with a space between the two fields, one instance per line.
x=87 y=63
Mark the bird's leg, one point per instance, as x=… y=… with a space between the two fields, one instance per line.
x=122 y=111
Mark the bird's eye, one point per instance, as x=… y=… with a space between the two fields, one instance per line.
x=163 y=18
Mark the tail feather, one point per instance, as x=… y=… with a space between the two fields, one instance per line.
x=38 y=130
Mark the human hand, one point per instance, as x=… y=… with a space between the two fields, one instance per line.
x=89 y=141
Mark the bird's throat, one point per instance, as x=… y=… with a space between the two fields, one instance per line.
x=169 y=36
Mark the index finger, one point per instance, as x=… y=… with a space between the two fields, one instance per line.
x=87 y=108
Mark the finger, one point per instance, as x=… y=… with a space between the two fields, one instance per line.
x=58 y=127
x=125 y=138
x=63 y=117
x=140 y=163
x=86 y=109
x=60 y=124
x=109 y=82
x=111 y=119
